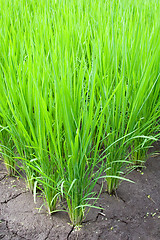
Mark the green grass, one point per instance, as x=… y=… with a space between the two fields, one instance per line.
x=80 y=94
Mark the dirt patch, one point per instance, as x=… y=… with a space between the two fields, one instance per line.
x=131 y=215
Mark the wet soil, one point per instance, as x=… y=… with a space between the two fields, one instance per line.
x=131 y=215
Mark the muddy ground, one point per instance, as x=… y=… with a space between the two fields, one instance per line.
x=131 y=215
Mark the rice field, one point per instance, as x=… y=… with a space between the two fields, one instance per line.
x=79 y=96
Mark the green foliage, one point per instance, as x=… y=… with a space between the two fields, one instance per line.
x=80 y=94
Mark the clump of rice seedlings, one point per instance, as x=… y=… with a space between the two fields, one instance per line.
x=80 y=95
x=80 y=176
x=129 y=58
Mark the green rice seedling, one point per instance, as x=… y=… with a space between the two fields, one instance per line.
x=7 y=149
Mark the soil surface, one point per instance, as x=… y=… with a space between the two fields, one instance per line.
x=131 y=215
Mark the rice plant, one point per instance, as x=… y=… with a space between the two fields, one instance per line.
x=80 y=94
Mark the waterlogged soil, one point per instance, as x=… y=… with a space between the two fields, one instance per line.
x=134 y=213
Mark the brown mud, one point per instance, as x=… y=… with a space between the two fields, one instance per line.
x=131 y=215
